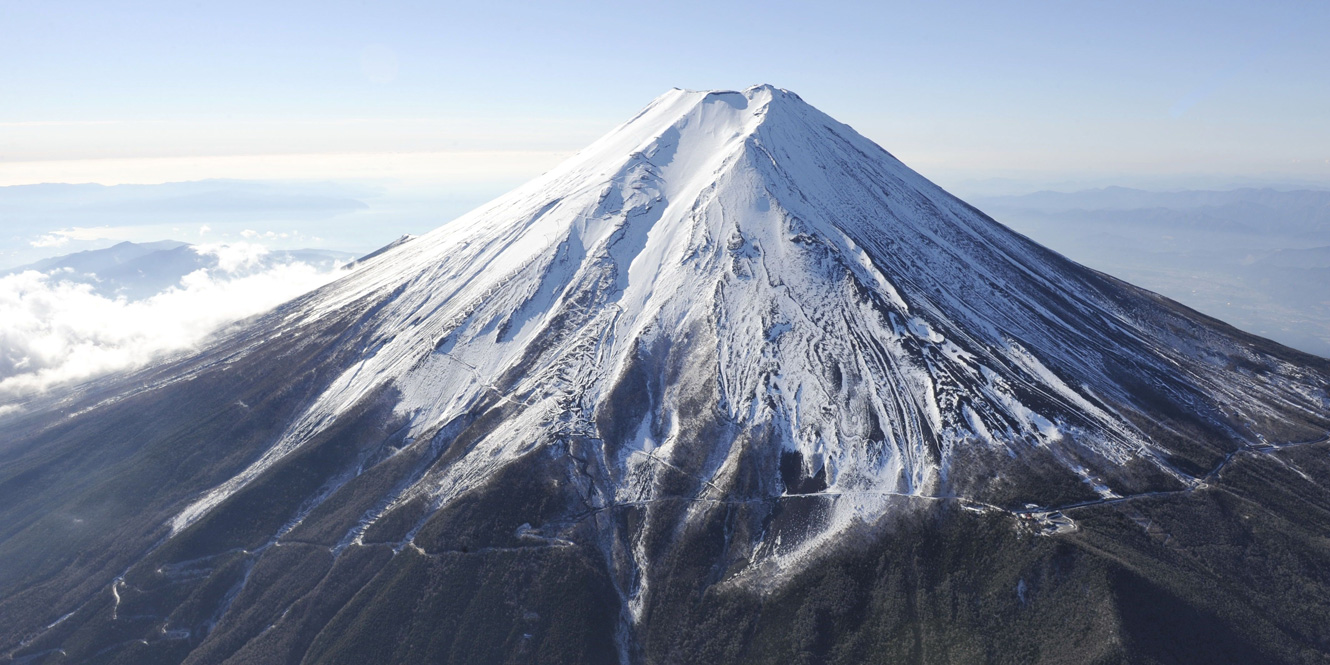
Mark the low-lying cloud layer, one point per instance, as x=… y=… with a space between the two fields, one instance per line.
x=54 y=330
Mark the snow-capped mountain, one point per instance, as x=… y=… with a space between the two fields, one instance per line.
x=609 y=415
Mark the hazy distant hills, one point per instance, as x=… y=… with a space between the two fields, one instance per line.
x=40 y=221
x=1218 y=251
x=200 y=201
x=1256 y=258
x=140 y=270
x=70 y=318
x=1312 y=202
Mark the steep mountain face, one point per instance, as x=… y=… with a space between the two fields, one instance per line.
x=732 y=384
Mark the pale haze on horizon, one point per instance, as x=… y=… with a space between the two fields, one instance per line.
x=1037 y=93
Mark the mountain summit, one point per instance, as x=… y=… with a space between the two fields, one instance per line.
x=731 y=384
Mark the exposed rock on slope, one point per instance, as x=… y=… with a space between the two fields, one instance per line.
x=615 y=415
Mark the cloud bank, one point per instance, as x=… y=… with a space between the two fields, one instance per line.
x=55 y=331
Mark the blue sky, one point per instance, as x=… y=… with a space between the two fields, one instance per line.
x=469 y=98
x=973 y=88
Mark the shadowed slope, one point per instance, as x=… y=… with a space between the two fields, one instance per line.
x=618 y=413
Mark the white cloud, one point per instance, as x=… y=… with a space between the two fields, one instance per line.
x=235 y=256
x=56 y=239
x=54 y=332
x=203 y=230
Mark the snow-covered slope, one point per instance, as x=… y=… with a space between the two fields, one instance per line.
x=736 y=270
x=728 y=339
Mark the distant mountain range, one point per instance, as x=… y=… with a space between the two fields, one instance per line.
x=1314 y=205
x=40 y=221
x=1253 y=257
x=141 y=270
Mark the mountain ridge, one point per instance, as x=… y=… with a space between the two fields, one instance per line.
x=722 y=349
